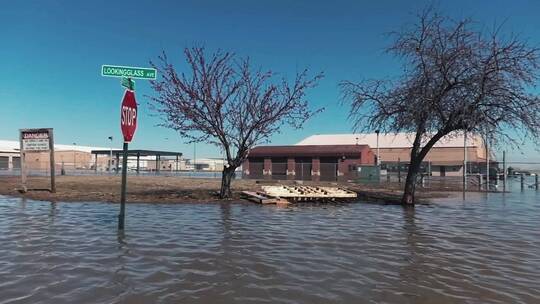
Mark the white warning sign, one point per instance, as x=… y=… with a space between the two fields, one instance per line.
x=35 y=141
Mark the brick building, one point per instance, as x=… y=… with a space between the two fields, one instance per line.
x=307 y=162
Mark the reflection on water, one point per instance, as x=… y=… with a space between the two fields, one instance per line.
x=482 y=250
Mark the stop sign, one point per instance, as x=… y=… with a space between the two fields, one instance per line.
x=128 y=116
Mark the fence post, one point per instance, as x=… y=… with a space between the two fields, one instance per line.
x=536 y=181
x=399 y=170
x=480 y=181
x=522 y=181
x=95 y=164
x=504 y=171
x=429 y=174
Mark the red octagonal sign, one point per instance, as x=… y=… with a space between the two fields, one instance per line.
x=128 y=115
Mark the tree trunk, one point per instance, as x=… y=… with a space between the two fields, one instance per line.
x=226 y=178
x=417 y=156
x=410 y=182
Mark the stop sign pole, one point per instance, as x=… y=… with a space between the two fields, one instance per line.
x=128 y=117
x=128 y=124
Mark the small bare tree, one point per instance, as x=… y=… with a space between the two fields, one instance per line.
x=455 y=78
x=223 y=101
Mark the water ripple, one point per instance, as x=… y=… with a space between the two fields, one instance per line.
x=484 y=250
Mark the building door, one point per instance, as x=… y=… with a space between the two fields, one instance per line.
x=279 y=168
x=4 y=162
x=302 y=168
x=329 y=168
x=443 y=170
x=256 y=166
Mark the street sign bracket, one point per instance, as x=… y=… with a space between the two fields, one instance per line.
x=128 y=83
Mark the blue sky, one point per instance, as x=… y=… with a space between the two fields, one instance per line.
x=51 y=53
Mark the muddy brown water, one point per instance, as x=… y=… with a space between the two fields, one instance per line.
x=482 y=250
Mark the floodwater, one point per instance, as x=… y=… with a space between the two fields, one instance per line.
x=483 y=250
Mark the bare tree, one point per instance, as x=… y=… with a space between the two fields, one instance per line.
x=223 y=101
x=455 y=78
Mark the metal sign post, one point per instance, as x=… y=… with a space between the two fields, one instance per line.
x=122 y=214
x=37 y=140
x=128 y=117
x=128 y=123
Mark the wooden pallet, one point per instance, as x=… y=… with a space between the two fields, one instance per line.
x=260 y=198
x=308 y=193
x=285 y=194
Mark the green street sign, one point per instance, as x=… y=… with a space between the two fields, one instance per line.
x=128 y=72
x=128 y=83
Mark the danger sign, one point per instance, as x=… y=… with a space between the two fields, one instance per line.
x=35 y=140
x=128 y=116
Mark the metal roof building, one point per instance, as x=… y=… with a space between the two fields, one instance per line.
x=400 y=140
x=445 y=158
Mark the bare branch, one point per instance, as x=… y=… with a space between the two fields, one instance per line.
x=455 y=78
x=222 y=100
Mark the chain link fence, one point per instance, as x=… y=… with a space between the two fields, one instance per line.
x=41 y=167
x=450 y=178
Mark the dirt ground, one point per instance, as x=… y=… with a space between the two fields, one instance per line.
x=167 y=189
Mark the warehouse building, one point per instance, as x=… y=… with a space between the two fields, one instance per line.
x=444 y=159
x=77 y=158
x=67 y=157
x=10 y=158
x=307 y=162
